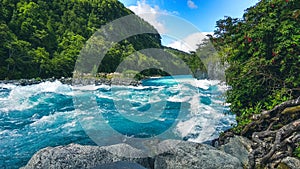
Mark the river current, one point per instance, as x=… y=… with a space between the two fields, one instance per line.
x=51 y=114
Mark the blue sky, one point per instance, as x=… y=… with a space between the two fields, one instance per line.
x=182 y=21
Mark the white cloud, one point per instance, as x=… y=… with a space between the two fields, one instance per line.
x=154 y=15
x=150 y=14
x=191 y=4
x=190 y=42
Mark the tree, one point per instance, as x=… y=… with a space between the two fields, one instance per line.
x=6 y=37
x=262 y=50
x=41 y=57
x=43 y=38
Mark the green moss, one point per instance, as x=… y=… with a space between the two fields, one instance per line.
x=38 y=79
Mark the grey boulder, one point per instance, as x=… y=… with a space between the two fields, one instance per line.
x=78 y=156
x=194 y=156
x=167 y=155
x=239 y=147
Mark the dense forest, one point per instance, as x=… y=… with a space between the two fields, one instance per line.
x=263 y=53
x=40 y=38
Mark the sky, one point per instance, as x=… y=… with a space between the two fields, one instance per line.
x=184 y=23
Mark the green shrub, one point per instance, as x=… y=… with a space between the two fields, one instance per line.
x=262 y=50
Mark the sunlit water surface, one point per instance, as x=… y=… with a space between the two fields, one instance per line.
x=36 y=116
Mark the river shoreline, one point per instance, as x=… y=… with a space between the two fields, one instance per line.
x=76 y=81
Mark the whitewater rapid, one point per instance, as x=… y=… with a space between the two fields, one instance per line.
x=36 y=116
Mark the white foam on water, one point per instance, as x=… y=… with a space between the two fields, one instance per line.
x=154 y=99
x=18 y=98
x=186 y=127
x=7 y=86
x=195 y=104
x=223 y=87
x=3 y=132
x=208 y=117
x=10 y=133
x=205 y=134
x=140 y=87
x=69 y=125
x=58 y=122
x=177 y=98
x=103 y=95
x=208 y=126
x=203 y=83
x=205 y=116
x=104 y=86
x=86 y=87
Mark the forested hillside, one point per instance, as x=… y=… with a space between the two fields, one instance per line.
x=40 y=38
x=262 y=50
x=263 y=53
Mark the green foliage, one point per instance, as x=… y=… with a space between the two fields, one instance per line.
x=38 y=79
x=262 y=50
x=192 y=60
x=41 y=38
x=245 y=117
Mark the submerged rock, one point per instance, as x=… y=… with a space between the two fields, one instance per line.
x=176 y=155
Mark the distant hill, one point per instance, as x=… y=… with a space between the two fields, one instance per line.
x=40 y=38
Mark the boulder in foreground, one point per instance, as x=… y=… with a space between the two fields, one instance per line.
x=183 y=155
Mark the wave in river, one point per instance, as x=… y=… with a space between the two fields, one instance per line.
x=46 y=114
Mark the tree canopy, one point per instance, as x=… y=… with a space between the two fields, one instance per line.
x=263 y=53
x=41 y=38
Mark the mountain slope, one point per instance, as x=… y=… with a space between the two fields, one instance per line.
x=40 y=38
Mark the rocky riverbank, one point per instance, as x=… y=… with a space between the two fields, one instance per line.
x=73 y=81
x=184 y=155
x=267 y=142
x=270 y=139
